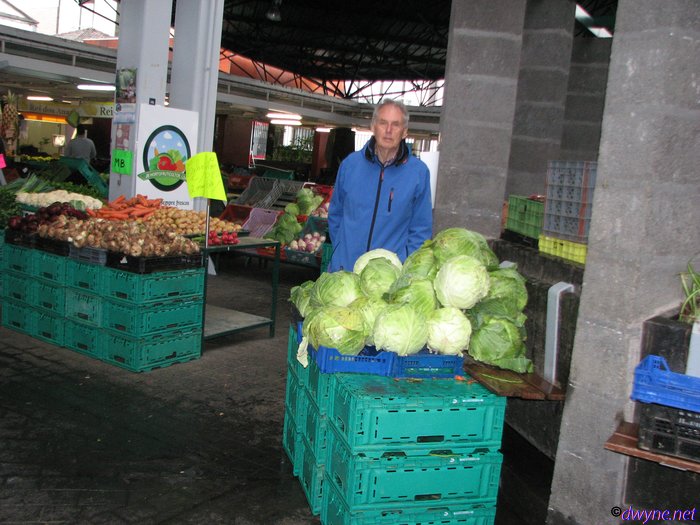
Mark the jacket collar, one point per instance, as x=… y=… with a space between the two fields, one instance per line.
x=401 y=155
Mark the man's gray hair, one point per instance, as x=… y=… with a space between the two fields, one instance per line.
x=395 y=103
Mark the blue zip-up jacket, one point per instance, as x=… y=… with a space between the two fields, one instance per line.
x=375 y=206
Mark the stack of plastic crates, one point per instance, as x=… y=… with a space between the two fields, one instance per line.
x=525 y=216
x=669 y=421
x=137 y=314
x=286 y=193
x=260 y=191
x=567 y=211
x=387 y=448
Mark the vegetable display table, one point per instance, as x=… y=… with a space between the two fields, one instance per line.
x=220 y=321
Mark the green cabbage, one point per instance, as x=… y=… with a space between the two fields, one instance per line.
x=416 y=291
x=372 y=254
x=421 y=263
x=500 y=343
x=462 y=281
x=369 y=308
x=336 y=327
x=449 y=331
x=400 y=328
x=377 y=277
x=300 y=297
x=336 y=289
x=507 y=295
x=460 y=241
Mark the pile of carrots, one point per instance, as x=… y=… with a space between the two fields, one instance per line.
x=121 y=208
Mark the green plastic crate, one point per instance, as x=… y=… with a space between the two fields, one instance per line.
x=49 y=327
x=373 y=412
x=335 y=511
x=49 y=296
x=296 y=401
x=49 y=267
x=155 y=351
x=146 y=288
x=315 y=428
x=84 y=338
x=326 y=253
x=312 y=478
x=18 y=316
x=301 y=372
x=291 y=441
x=395 y=476
x=85 y=276
x=525 y=216
x=18 y=287
x=154 y=318
x=18 y=259
x=84 y=307
x=319 y=386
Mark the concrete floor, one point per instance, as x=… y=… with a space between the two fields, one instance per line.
x=82 y=441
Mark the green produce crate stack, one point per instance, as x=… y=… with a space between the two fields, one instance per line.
x=370 y=449
x=136 y=321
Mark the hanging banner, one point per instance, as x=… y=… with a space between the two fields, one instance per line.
x=166 y=139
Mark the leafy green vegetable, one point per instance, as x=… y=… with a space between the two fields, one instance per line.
x=500 y=343
x=377 y=277
x=300 y=297
x=460 y=241
x=336 y=288
x=369 y=308
x=507 y=295
x=292 y=209
x=307 y=201
x=449 y=331
x=336 y=327
x=401 y=329
x=416 y=291
x=8 y=206
x=421 y=263
x=285 y=229
x=461 y=282
x=373 y=254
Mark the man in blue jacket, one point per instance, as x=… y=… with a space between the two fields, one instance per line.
x=382 y=196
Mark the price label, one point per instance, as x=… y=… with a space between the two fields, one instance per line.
x=122 y=161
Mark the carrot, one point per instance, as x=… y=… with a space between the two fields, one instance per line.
x=136 y=212
x=118 y=200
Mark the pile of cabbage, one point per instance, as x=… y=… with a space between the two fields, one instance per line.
x=450 y=296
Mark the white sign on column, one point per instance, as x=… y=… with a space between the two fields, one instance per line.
x=165 y=139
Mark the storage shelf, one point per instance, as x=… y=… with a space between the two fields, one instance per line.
x=512 y=384
x=624 y=441
x=223 y=321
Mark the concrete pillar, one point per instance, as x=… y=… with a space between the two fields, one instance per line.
x=588 y=77
x=541 y=99
x=483 y=58
x=643 y=233
x=195 y=68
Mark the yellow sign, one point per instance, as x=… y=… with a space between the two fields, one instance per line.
x=204 y=177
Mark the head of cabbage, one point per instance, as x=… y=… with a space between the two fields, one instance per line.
x=500 y=343
x=449 y=331
x=336 y=327
x=401 y=329
x=421 y=263
x=300 y=296
x=460 y=241
x=507 y=295
x=369 y=308
x=377 y=277
x=413 y=290
x=335 y=289
x=462 y=281
x=363 y=259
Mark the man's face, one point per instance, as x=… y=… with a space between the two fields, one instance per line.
x=388 y=129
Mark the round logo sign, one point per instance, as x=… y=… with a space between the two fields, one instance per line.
x=164 y=157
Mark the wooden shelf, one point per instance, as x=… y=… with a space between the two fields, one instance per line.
x=624 y=441
x=511 y=384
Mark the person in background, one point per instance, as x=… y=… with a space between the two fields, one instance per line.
x=382 y=194
x=81 y=146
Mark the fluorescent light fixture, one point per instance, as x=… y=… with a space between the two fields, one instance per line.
x=282 y=122
x=96 y=87
x=323 y=130
x=587 y=20
x=40 y=98
x=288 y=116
x=600 y=32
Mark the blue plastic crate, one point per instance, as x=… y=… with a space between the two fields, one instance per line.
x=424 y=364
x=655 y=383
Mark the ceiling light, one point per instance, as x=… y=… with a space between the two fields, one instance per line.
x=282 y=122
x=274 y=14
x=40 y=98
x=96 y=87
x=323 y=130
x=288 y=116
